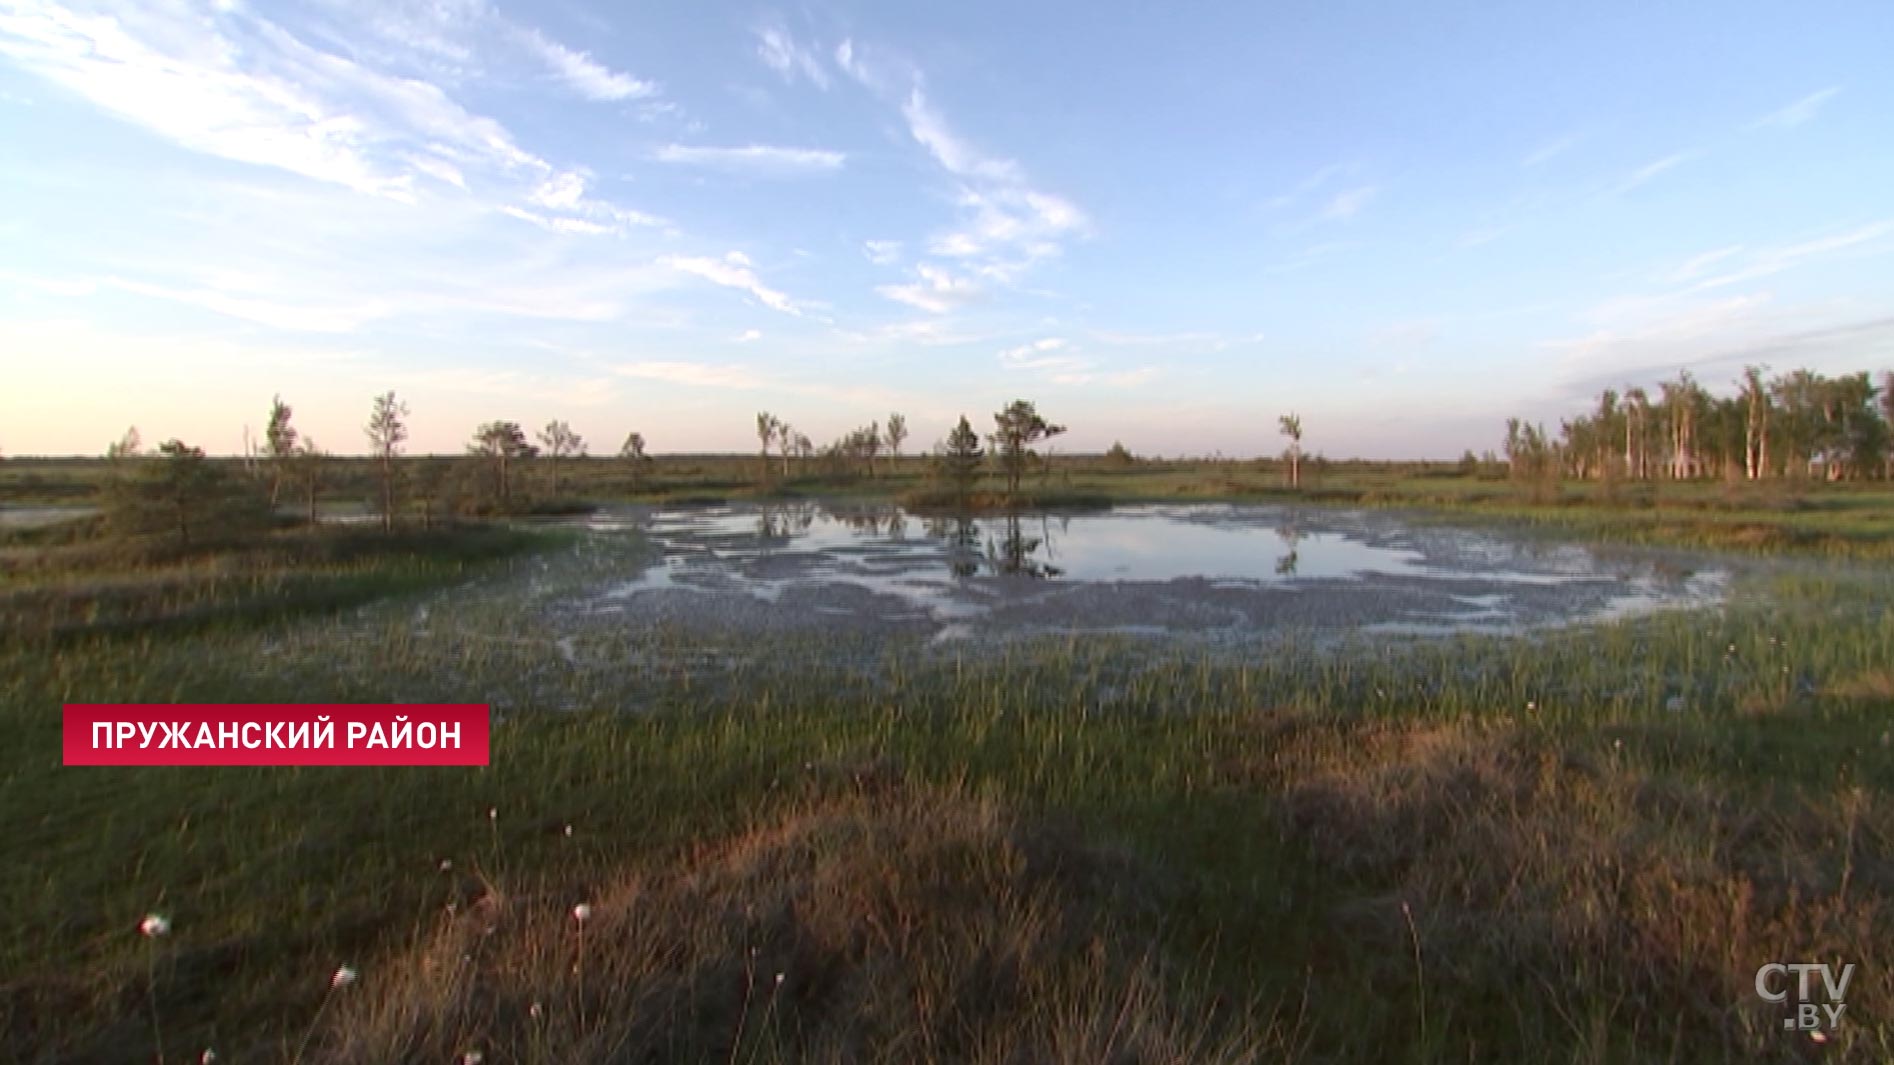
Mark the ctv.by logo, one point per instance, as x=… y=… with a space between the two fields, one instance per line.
x=1809 y=1016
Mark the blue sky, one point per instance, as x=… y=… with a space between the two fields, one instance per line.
x=1404 y=221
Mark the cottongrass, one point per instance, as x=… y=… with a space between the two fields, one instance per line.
x=343 y=977
x=914 y=923
x=154 y=927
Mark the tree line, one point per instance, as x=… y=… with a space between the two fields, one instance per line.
x=1800 y=424
x=175 y=488
x=857 y=451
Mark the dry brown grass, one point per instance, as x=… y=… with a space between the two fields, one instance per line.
x=1875 y=686
x=1631 y=903
x=874 y=924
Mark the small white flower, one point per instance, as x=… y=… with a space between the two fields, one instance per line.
x=568 y=830
x=472 y=1057
x=447 y=865
x=1617 y=745
x=536 y=1011
x=207 y=1057
x=493 y=813
x=154 y=925
x=582 y=912
x=1817 y=1035
x=343 y=977
x=1531 y=705
x=779 y=979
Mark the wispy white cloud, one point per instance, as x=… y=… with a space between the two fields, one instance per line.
x=439 y=169
x=1348 y=203
x=439 y=35
x=1873 y=238
x=1798 y=112
x=749 y=336
x=882 y=252
x=1714 y=338
x=1550 y=150
x=1639 y=335
x=156 y=70
x=1308 y=185
x=1694 y=267
x=958 y=157
x=938 y=291
x=853 y=64
x=932 y=332
x=733 y=271
x=1048 y=356
x=757 y=158
x=1651 y=170
x=1008 y=224
x=1332 y=193
x=237 y=86
x=225 y=81
x=1055 y=359
x=1031 y=353
x=585 y=75
x=783 y=54
x=566 y=192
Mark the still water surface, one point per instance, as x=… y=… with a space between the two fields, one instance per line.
x=1139 y=568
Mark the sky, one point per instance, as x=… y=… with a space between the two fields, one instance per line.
x=1164 y=224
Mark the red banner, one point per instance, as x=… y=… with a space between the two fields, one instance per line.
x=276 y=734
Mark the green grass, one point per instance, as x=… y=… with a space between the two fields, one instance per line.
x=90 y=587
x=1591 y=875
x=1572 y=846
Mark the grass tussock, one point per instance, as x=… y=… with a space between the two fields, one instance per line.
x=878 y=923
x=1632 y=909
x=106 y=586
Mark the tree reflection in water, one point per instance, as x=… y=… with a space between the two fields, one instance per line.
x=871 y=519
x=1292 y=538
x=779 y=521
x=1013 y=554
x=963 y=546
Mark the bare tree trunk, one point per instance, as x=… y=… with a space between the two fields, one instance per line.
x=387 y=494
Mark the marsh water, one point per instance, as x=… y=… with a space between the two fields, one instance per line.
x=1208 y=569
x=35 y=517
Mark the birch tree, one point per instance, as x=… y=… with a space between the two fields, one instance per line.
x=1292 y=428
x=387 y=431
